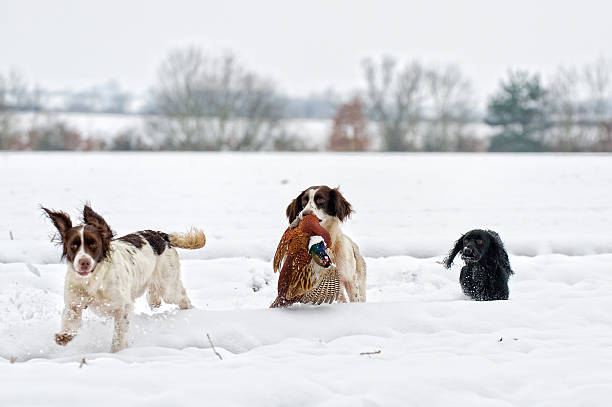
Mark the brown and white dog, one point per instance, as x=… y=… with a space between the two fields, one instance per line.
x=332 y=209
x=108 y=274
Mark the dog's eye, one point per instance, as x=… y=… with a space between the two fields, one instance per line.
x=320 y=201
x=479 y=241
x=92 y=245
x=74 y=246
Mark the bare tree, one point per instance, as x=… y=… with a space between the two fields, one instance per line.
x=395 y=101
x=5 y=117
x=13 y=96
x=260 y=113
x=598 y=78
x=207 y=103
x=16 y=90
x=179 y=122
x=450 y=99
x=564 y=96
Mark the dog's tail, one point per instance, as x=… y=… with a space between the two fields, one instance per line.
x=193 y=239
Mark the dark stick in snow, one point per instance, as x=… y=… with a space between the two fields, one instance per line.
x=371 y=353
x=213 y=347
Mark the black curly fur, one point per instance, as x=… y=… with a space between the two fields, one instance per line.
x=486 y=272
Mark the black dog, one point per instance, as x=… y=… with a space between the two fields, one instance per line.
x=487 y=268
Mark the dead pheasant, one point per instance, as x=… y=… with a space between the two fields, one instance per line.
x=307 y=273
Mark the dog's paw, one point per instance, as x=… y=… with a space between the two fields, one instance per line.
x=116 y=347
x=63 y=339
x=185 y=304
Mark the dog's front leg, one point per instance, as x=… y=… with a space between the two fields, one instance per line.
x=122 y=325
x=71 y=322
x=346 y=269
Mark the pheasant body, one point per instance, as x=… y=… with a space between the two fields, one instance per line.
x=307 y=273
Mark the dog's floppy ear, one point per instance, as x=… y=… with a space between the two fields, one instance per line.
x=295 y=207
x=448 y=261
x=61 y=220
x=338 y=206
x=497 y=252
x=90 y=217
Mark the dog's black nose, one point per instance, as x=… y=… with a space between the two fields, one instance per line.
x=467 y=251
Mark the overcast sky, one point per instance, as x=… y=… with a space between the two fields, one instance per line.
x=304 y=46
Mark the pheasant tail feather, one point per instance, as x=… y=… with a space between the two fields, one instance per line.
x=326 y=290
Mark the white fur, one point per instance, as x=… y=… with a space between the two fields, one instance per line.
x=82 y=254
x=115 y=284
x=350 y=264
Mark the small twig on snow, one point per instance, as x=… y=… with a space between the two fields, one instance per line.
x=213 y=347
x=11 y=235
x=83 y=362
x=376 y=352
x=33 y=269
x=500 y=339
x=13 y=359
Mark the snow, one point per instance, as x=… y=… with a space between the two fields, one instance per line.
x=405 y=204
x=549 y=345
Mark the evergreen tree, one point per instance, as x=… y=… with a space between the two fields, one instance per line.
x=519 y=107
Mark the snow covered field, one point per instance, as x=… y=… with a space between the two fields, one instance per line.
x=549 y=345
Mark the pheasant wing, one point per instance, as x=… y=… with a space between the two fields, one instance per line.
x=326 y=290
x=302 y=278
x=281 y=251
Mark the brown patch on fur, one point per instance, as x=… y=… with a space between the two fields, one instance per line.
x=97 y=225
x=296 y=206
x=193 y=239
x=94 y=243
x=134 y=239
x=71 y=243
x=157 y=240
x=63 y=224
x=337 y=205
x=326 y=198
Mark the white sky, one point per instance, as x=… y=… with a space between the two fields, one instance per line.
x=303 y=45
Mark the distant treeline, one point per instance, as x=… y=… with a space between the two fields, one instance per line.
x=110 y=98
x=208 y=103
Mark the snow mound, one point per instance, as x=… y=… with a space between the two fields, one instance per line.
x=418 y=340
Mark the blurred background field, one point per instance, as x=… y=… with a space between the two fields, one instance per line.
x=405 y=204
x=203 y=76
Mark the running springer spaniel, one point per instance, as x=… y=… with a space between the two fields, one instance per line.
x=332 y=209
x=108 y=274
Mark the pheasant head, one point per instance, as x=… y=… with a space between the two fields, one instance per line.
x=319 y=252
